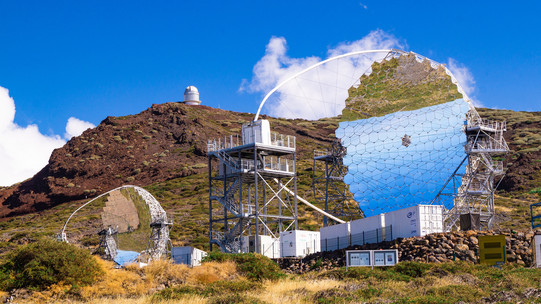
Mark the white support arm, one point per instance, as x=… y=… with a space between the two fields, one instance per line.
x=311 y=205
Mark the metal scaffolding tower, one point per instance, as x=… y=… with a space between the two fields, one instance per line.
x=108 y=243
x=159 y=244
x=248 y=183
x=473 y=191
x=329 y=187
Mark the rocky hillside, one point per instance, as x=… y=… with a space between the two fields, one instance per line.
x=165 y=142
x=524 y=138
x=164 y=150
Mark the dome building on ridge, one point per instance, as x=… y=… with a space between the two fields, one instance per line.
x=191 y=96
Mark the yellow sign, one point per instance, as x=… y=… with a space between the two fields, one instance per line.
x=492 y=249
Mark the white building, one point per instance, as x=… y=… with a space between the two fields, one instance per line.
x=299 y=243
x=268 y=246
x=191 y=96
x=187 y=255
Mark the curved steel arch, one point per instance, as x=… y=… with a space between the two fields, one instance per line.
x=388 y=51
x=156 y=210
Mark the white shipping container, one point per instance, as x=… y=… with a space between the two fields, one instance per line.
x=334 y=237
x=299 y=243
x=187 y=255
x=256 y=132
x=367 y=224
x=368 y=230
x=418 y=220
x=269 y=246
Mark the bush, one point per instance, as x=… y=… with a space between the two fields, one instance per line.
x=455 y=293
x=175 y=293
x=237 y=286
x=216 y=256
x=218 y=289
x=411 y=269
x=442 y=269
x=47 y=262
x=254 y=266
x=234 y=298
x=363 y=273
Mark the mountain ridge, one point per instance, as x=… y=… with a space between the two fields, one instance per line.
x=171 y=163
x=164 y=142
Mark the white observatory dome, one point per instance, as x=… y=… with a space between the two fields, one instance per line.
x=191 y=96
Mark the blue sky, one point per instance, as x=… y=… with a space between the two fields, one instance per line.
x=93 y=59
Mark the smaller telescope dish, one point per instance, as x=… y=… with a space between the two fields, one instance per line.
x=125 y=224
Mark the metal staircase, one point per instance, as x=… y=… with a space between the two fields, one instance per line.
x=228 y=199
x=228 y=160
x=475 y=195
x=242 y=199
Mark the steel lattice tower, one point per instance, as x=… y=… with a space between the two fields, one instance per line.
x=329 y=187
x=248 y=190
x=473 y=191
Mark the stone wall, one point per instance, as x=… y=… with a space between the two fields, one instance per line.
x=437 y=247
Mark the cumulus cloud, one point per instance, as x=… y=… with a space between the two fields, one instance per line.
x=23 y=150
x=76 y=127
x=320 y=92
x=465 y=79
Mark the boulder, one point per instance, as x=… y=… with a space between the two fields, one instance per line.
x=461 y=247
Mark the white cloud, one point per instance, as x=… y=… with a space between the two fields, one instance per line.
x=23 y=150
x=321 y=92
x=464 y=78
x=76 y=127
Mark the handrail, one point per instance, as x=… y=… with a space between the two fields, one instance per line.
x=276 y=139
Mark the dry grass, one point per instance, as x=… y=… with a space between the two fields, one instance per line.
x=135 y=281
x=398 y=289
x=134 y=285
x=116 y=282
x=211 y=272
x=293 y=291
x=189 y=299
x=160 y=272
x=503 y=209
x=218 y=282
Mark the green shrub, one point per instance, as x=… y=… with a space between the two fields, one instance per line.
x=234 y=298
x=175 y=293
x=331 y=296
x=254 y=266
x=47 y=262
x=411 y=269
x=218 y=288
x=223 y=287
x=216 y=256
x=442 y=269
x=455 y=293
x=363 y=273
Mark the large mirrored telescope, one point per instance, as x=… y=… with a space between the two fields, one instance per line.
x=403 y=128
x=406 y=125
x=403 y=159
